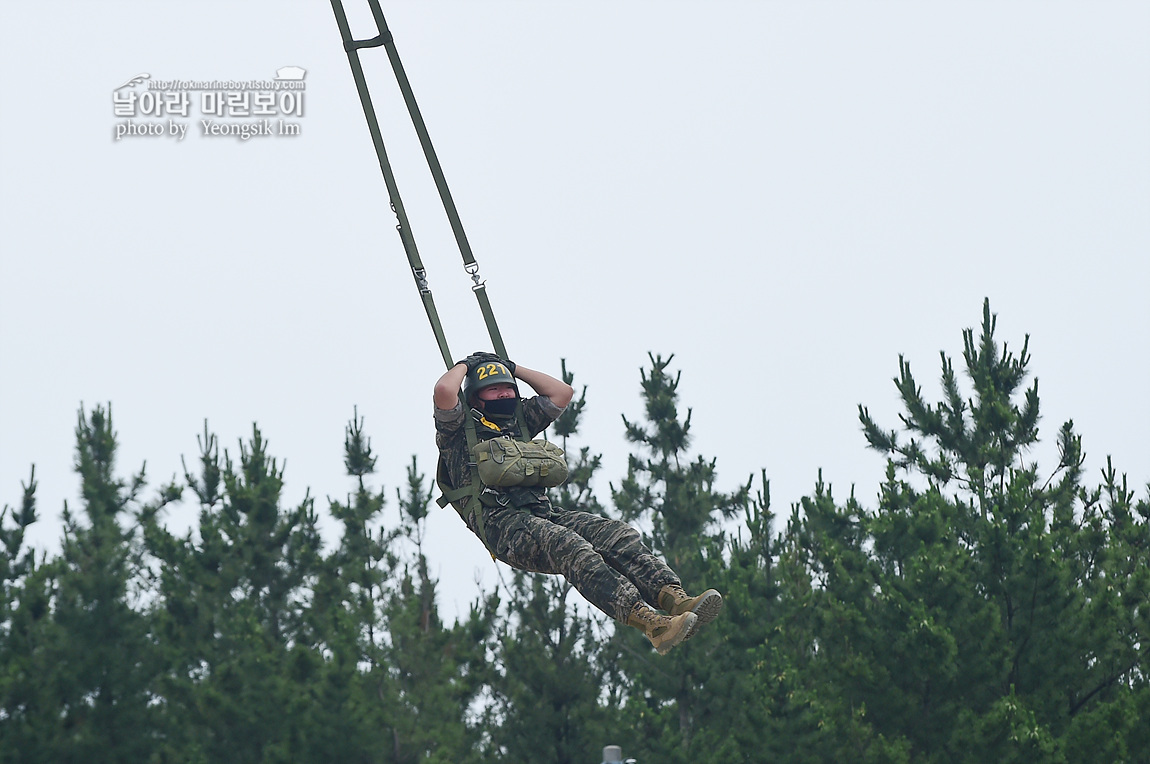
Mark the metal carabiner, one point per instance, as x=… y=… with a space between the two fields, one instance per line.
x=421 y=280
x=473 y=271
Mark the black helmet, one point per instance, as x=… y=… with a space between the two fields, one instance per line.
x=486 y=375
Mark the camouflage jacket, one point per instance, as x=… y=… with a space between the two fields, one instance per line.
x=451 y=438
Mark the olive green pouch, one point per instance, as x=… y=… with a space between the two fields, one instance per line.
x=504 y=463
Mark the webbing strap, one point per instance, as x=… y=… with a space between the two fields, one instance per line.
x=420 y=274
x=450 y=495
x=476 y=487
x=479 y=287
x=469 y=263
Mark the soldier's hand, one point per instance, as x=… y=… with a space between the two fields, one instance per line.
x=475 y=360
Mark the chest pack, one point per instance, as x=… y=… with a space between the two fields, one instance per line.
x=503 y=461
x=506 y=463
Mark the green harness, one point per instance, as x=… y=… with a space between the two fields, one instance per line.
x=502 y=461
x=475 y=488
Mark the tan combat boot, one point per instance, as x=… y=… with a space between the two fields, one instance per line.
x=706 y=606
x=664 y=631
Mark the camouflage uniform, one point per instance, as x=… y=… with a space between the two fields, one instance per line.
x=603 y=558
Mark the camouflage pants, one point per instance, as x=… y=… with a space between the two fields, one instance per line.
x=604 y=559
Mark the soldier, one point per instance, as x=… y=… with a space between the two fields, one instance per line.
x=604 y=559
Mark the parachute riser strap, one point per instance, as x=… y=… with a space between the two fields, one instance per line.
x=352 y=47
x=476 y=484
x=388 y=42
x=472 y=491
x=386 y=39
x=521 y=420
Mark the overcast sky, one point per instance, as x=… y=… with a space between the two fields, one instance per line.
x=785 y=195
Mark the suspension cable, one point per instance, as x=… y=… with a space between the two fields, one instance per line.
x=479 y=287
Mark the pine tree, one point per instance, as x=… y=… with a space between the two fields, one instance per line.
x=577 y=494
x=344 y=617
x=16 y=561
x=241 y=658
x=79 y=667
x=980 y=612
x=664 y=487
x=751 y=673
x=26 y=592
x=433 y=668
x=983 y=610
x=675 y=496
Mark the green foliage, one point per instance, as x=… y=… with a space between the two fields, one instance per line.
x=577 y=493
x=664 y=487
x=549 y=682
x=981 y=610
x=15 y=560
x=229 y=606
x=77 y=660
x=429 y=668
x=682 y=705
x=25 y=596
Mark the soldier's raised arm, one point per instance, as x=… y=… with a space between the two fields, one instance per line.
x=557 y=390
x=447 y=387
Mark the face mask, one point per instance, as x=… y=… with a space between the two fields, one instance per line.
x=502 y=407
